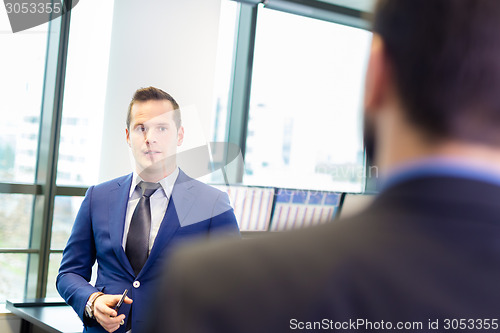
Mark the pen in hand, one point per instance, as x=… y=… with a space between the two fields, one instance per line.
x=120 y=302
x=117 y=307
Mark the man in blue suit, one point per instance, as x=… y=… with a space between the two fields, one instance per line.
x=112 y=217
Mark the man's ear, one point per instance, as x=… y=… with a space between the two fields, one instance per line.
x=127 y=133
x=180 y=135
x=377 y=76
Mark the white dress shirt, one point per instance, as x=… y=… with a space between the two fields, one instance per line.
x=158 y=204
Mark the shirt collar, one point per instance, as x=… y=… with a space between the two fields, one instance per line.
x=167 y=183
x=441 y=166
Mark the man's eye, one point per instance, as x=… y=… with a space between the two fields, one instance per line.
x=140 y=128
x=162 y=129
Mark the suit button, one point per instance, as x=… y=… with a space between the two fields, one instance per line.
x=136 y=284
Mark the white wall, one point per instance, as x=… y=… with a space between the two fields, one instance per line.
x=168 y=44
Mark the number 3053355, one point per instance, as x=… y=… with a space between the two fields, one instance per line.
x=33 y=8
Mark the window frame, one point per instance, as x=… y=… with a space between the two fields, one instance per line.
x=241 y=76
x=44 y=187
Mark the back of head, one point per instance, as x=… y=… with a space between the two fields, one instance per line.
x=445 y=58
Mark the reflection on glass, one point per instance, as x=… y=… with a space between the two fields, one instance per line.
x=252 y=206
x=84 y=94
x=305 y=121
x=299 y=209
x=54 y=263
x=12 y=275
x=22 y=64
x=15 y=220
x=65 y=210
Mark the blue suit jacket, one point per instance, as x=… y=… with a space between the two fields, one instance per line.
x=194 y=209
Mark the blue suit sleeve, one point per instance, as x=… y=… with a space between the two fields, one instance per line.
x=78 y=258
x=223 y=221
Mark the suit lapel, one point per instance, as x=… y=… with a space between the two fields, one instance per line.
x=167 y=231
x=118 y=200
x=179 y=204
x=183 y=196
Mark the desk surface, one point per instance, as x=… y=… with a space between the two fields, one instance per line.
x=52 y=316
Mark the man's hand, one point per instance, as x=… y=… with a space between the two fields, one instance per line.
x=105 y=314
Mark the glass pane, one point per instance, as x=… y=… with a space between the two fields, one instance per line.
x=15 y=220
x=54 y=263
x=225 y=53
x=84 y=94
x=305 y=121
x=224 y=65
x=12 y=275
x=22 y=64
x=65 y=210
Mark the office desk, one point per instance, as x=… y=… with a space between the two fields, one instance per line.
x=52 y=316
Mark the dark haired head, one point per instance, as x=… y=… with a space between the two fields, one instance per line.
x=445 y=56
x=153 y=94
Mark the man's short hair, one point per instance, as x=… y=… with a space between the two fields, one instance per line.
x=445 y=58
x=153 y=94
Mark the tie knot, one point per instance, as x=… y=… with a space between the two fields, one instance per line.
x=148 y=188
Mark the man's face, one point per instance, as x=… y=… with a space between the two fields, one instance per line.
x=153 y=137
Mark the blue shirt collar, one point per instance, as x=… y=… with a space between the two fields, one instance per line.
x=440 y=167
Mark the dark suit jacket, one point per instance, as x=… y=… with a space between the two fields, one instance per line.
x=195 y=209
x=427 y=249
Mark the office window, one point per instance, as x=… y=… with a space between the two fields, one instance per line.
x=15 y=229
x=12 y=275
x=305 y=119
x=15 y=220
x=54 y=263
x=222 y=85
x=65 y=210
x=22 y=64
x=84 y=93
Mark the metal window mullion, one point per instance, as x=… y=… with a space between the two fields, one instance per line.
x=36 y=189
x=319 y=10
x=17 y=251
x=251 y=2
x=15 y=188
x=239 y=94
x=323 y=11
x=71 y=191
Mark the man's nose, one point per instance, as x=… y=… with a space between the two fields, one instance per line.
x=149 y=136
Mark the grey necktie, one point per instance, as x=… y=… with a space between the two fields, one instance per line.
x=137 y=247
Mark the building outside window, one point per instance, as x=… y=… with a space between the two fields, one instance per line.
x=305 y=119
